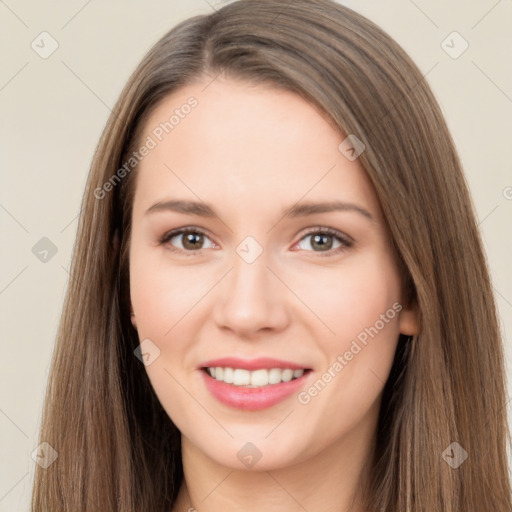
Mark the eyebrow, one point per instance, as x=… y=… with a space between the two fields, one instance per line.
x=297 y=210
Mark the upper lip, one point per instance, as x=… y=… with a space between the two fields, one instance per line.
x=252 y=364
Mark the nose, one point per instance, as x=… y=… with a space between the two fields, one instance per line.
x=251 y=299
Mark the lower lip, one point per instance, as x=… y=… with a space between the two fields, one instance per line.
x=252 y=399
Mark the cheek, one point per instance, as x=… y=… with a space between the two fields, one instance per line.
x=350 y=298
x=162 y=294
x=163 y=299
x=361 y=304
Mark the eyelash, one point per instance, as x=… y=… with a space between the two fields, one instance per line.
x=346 y=241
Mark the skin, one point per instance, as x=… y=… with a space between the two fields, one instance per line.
x=249 y=152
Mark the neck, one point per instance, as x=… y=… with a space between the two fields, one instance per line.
x=329 y=481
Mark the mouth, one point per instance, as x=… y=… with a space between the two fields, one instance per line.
x=256 y=389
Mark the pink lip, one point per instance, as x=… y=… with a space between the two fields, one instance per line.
x=251 y=364
x=252 y=399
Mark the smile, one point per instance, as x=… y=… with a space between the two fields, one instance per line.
x=253 y=379
x=241 y=394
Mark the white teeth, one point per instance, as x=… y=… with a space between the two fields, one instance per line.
x=259 y=378
x=228 y=375
x=241 y=377
x=274 y=375
x=287 y=375
x=253 y=379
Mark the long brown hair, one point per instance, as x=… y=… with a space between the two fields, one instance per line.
x=117 y=448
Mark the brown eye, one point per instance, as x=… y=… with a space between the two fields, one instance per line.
x=323 y=242
x=326 y=240
x=192 y=240
x=189 y=240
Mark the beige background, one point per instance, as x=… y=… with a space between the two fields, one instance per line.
x=52 y=112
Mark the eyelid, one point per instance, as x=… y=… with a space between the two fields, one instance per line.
x=328 y=230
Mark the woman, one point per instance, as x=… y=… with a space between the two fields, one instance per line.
x=280 y=296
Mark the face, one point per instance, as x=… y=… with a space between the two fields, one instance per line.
x=261 y=273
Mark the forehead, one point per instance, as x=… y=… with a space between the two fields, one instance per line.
x=245 y=146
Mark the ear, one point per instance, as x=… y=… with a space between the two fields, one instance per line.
x=409 y=322
x=132 y=317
